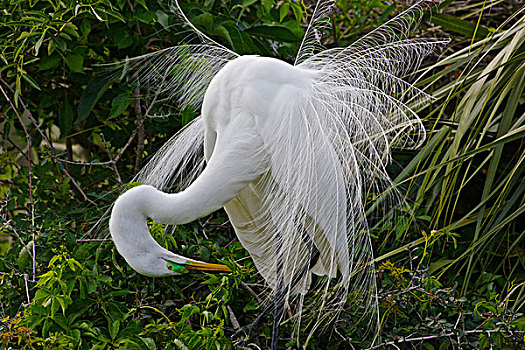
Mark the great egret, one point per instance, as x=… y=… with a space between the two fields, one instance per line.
x=292 y=152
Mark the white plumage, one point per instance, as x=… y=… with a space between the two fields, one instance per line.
x=292 y=152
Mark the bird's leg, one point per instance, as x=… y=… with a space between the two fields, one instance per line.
x=313 y=257
x=278 y=295
x=250 y=328
x=277 y=305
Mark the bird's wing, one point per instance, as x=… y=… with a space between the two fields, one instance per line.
x=312 y=190
x=254 y=229
x=329 y=148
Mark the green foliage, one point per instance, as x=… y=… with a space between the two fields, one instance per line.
x=460 y=283
x=356 y=18
x=469 y=178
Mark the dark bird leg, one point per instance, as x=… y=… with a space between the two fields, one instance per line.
x=278 y=295
x=313 y=257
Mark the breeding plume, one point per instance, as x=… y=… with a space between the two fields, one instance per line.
x=292 y=152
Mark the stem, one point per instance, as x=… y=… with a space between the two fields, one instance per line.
x=49 y=144
x=30 y=165
x=140 y=127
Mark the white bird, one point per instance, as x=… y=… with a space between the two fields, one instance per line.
x=292 y=153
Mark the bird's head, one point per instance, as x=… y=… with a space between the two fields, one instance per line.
x=194 y=266
x=159 y=262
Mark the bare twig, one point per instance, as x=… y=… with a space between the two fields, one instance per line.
x=113 y=164
x=428 y=337
x=30 y=161
x=94 y=240
x=77 y=186
x=27 y=290
x=233 y=319
x=20 y=239
x=251 y=292
x=50 y=145
x=140 y=128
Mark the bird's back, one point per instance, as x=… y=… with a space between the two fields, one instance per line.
x=300 y=193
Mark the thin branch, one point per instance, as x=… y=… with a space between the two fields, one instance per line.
x=93 y=240
x=30 y=161
x=50 y=145
x=140 y=128
x=113 y=164
x=427 y=337
x=251 y=292
x=27 y=290
x=77 y=186
x=233 y=319
x=20 y=239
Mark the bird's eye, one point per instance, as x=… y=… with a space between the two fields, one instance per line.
x=170 y=267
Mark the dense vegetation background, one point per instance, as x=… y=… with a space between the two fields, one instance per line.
x=451 y=266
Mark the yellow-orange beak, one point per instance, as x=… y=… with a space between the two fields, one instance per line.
x=206 y=267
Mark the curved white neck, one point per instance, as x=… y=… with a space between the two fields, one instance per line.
x=129 y=229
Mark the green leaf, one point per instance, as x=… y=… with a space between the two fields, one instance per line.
x=142 y=3
x=116 y=15
x=267 y=4
x=188 y=115
x=241 y=41
x=65 y=117
x=85 y=28
x=133 y=327
x=149 y=343
x=94 y=90
x=145 y=16
x=223 y=33
x=204 y=20
x=297 y=11
x=24 y=257
x=458 y=25
x=119 y=105
x=47 y=324
x=48 y=62
x=439 y=264
x=189 y=310
x=71 y=29
x=113 y=327
x=97 y=15
x=283 y=11
x=75 y=62
x=59 y=43
x=162 y=18
x=123 y=38
x=39 y=43
x=274 y=33
x=62 y=303
x=50 y=47
x=30 y=81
